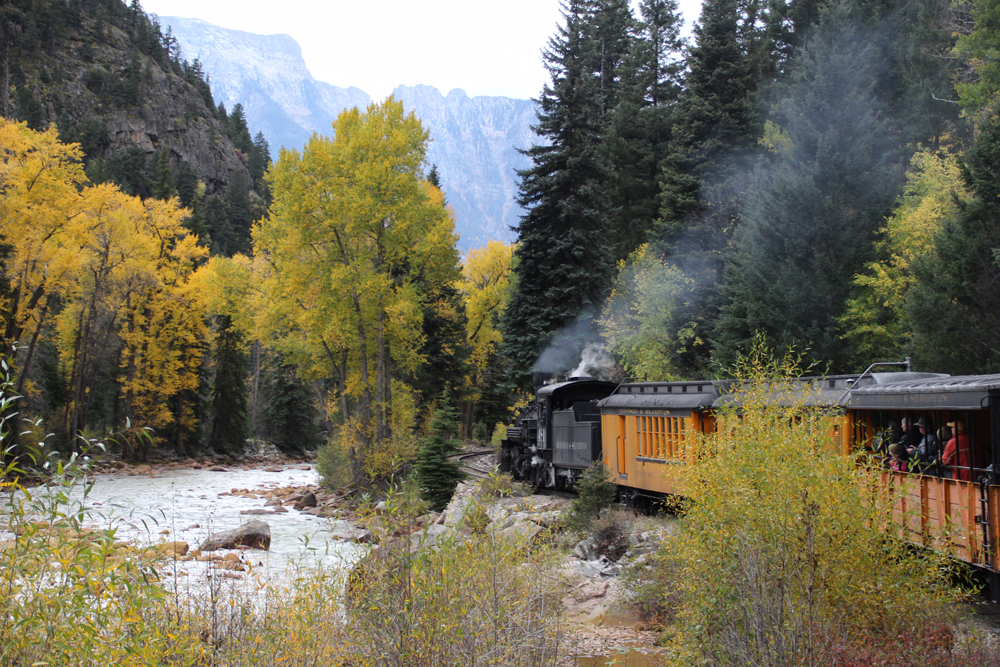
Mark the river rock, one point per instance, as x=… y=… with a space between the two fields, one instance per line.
x=173 y=549
x=254 y=534
x=308 y=500
x=584 y=550
x=347 y=533
x=218 y=469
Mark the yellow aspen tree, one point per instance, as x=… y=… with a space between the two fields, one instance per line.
x=875 y=322
x=484 y=284
x=352 y=226
x=92 y=296
x=135 y=284
x=165 y=329
x=40 y=207
x=485 y=289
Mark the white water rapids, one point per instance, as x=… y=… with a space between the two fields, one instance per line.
x=187 y=503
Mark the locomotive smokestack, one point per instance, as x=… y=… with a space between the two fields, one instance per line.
x=538 y=378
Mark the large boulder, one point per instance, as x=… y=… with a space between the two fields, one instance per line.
x=254 y=534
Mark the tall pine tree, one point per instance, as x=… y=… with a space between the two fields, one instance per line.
x=437 y=476
x=716 y=119
x=639 y=126
x=564 y=257
x=813 y=210
x=954 y=308
x=230 y=427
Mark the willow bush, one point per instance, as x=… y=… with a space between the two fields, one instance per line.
x=783 y=556
x=477 y=596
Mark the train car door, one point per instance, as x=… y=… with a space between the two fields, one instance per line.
x=622 y=470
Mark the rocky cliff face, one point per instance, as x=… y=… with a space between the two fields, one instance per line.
x=473 y=139
x=108 y=83
x=173 y=116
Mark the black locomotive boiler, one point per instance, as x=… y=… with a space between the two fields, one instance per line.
x=558 y=435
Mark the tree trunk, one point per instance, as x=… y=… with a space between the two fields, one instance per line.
x=342 y=371
x=179 y=425
x=380 y=428
x=255 y=388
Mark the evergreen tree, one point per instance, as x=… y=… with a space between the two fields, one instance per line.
x=230 y=427
x=216 y=214
x=433 y=177
x=187 y=184
x=163 y=176
x=240 y=211
x=129 y=172
x=289 y=416
x=565 y=262
x=716 y=118
x=811 y=213
x=437 y=477
x=954 y=308
x=259 y=164
x=445 y=351
x=238 y=131
x=260 y=158
x=639 y=126
x=29 y=109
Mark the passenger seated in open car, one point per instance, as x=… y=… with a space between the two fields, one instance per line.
x=925 y=453
x=896 y=462
x=909 y=439
x=959 y=452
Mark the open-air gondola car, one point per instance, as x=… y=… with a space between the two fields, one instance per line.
x=948 y=504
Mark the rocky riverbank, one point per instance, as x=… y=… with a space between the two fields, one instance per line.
x=280 y=494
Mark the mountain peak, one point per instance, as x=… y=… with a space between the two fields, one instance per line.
x=474 y=140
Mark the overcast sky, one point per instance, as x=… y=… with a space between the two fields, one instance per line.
x=484 y=48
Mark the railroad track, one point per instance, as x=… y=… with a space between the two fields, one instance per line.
x=471 y=470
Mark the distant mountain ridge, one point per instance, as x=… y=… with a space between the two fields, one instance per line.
x=474 y=140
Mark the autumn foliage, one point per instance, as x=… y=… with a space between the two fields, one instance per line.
x=95 y=273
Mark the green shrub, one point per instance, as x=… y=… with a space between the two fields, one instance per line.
x=502 y=485
x=479 y=432
x=480 y=600
x=783 y=550
x=499 y=433
x=595 y=492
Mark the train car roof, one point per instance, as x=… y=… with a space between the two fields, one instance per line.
x=822 y=391
x=559 y=388
x=934 y=391
x=663 y=396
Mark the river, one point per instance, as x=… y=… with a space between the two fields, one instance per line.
x=187 y=504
